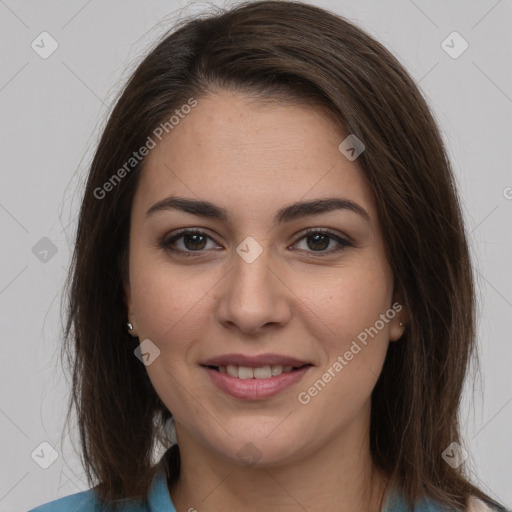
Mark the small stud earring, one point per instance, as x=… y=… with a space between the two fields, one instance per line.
x=130 y=326
x=400 y=324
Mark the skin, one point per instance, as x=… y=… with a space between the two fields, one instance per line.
x=296 y=298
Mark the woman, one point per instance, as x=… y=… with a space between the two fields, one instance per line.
x=271 y=259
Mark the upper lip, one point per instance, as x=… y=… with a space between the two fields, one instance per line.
x=253 y=361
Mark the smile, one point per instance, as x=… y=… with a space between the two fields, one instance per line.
x=255 y=383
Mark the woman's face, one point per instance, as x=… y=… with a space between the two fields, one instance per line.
x=254 y=289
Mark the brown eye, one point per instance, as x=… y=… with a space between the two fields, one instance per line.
x=186 y=242
x=319 y=240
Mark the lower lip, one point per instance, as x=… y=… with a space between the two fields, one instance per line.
x=255 y=389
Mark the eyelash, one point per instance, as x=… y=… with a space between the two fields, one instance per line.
x=168 y=241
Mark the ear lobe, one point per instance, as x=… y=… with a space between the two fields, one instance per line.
x=131 y=323
x=399 y=323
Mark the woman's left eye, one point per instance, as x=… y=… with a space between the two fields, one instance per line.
x=193 y=241
x=322 y=238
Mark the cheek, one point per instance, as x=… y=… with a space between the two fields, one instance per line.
x=171 y=307
x=347 y=301
x=348 y=325
x=166 y=297
x=344 y=315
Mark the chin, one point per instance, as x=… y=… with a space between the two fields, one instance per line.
x=259 y=451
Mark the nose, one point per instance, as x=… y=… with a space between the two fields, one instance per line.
x=253 y=296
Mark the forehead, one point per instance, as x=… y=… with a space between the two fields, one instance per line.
x=239 y=153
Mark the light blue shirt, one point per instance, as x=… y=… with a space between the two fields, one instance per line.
x=159 y=500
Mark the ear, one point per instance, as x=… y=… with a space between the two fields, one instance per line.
x=123 y=267
x=129 y=308
x=396 y=330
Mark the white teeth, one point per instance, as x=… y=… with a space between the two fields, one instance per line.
x=232 y=370
x=276 y=369
x=245 y=373
x=263 y=372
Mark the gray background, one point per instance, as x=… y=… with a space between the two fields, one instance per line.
x=52 y=113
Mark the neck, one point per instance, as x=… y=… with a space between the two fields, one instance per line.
x=337 y=476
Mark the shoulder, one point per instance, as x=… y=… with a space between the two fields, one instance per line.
x=396 y=503
x=80 y=502
x=85 y=501
x=88 y=501
x=474 y=505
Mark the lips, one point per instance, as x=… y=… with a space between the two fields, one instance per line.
x=255 y=377
x=255 y=388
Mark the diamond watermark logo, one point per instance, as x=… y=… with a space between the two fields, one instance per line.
x=249 y=454
x=352 y=147
x=44 y=455
x=249 y=249
x=455 y=455
x=44 y=45
x=454 y=45
x=147 y=352
x=44 y=250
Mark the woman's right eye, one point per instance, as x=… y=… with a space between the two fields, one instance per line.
x=191 y=241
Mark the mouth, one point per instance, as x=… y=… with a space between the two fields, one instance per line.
x=261 y=372
x=257 y=382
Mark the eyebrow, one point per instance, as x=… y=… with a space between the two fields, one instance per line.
x=287 y=214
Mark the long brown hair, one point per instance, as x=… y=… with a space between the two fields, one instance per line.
x=293 y=52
